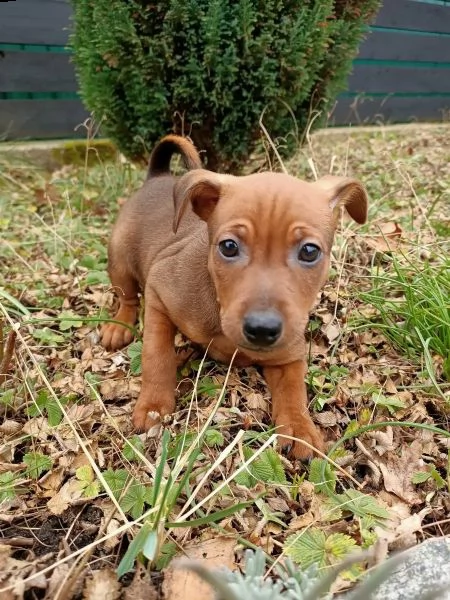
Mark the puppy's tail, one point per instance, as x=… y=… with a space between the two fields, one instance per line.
x=172 y=144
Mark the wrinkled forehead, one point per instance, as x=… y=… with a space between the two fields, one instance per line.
x=275 y=199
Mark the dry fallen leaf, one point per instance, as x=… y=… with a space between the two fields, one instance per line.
x=332 y=331
x=52 y=481
x=13 y=572
x=141 y=587
x=67 y=495
x=398 y=470
x=389 y=239
x=112 y=541
x=102 y=584
x=56 y=580
x=185 y=585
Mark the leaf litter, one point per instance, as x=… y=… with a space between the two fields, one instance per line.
x=66 y=403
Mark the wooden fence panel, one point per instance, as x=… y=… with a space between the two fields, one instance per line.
x=35 y=22
x=412 y=14
x=392 y=78
x=36 y=72
x=384 y=44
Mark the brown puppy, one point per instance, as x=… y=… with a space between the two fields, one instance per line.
x=234 y=262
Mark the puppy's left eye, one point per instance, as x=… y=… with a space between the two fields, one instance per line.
x=228 y=248
x=309 y=253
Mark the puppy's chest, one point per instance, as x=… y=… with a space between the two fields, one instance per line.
x=200 y=327
x=182 y=282
x=192 y=308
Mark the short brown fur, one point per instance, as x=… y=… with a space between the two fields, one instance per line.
x=166 y=244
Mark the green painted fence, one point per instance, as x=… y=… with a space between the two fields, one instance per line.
x=402 y=72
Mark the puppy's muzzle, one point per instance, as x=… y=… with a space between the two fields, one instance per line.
x=262 y=328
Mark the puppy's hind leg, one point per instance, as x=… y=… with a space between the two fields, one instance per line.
x=115 y=335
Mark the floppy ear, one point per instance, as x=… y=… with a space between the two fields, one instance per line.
x=344 y=191
x=202 y=189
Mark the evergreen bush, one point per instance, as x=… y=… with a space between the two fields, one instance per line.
x=210 y=68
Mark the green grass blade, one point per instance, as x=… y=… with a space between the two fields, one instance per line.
x=187 y=471
x=162 y=462
x=151 y=544
x=213 y=517
x=14 y=302
x=134 y=549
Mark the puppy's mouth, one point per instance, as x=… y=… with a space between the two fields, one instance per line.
x=246 y=346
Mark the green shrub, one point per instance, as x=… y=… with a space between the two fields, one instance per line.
x=210 y=68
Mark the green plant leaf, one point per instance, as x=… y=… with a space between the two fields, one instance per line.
x=339 y=545
x=9 y=486
x=85 y=474
x=130 y=446
x=213 y=437
x=390 y=402
x=54 y=413
x=332 y=512
x=7 y=398
x=208 y=386
x=246 y=479
x=88 y=483
x=322 y=475
x=45 y=404
x=96 y=278
x=420 y=477
x=439 y=480
x=37 y=463
x=312 y=546
x=307 y=548
x=135 y=499
x=117 y=480
x=167 y=552
x=69 y=320
x=48 y=337
x=91 y=490
x=18 y=306
x=134 y=352
x=267 y=467
x=360 y=504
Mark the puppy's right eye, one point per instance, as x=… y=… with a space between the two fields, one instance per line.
x=228 y=248
x=309 y=253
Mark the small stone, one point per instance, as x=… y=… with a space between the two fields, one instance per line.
x=425 y=569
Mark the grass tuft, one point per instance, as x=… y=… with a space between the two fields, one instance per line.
x=412 y=304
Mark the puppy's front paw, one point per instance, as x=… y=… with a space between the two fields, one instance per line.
x=115 y=336
x=303 y=429
x=148 y=413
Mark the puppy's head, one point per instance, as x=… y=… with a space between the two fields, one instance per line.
x=270 y=240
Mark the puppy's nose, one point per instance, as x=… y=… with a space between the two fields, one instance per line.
x=262 y=328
